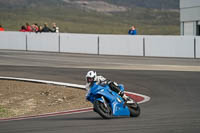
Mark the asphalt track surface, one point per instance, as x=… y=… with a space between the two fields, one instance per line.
x=172 y=84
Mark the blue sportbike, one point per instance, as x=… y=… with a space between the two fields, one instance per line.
x=108 y=103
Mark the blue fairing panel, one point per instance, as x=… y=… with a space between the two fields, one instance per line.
x=100 y=99
x=120 y=110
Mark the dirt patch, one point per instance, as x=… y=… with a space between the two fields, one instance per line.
x=24 y=98
x=98 y=6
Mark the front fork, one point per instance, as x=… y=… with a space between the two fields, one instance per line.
x=104 y=102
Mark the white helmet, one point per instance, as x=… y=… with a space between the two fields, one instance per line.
x=91 y=76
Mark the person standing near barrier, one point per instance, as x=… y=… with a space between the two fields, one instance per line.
x=46 y=28
x=55 y=28
x=39 y=29
x=23 y=29
x=35 y=27
x=1 y=28
x=28 y=28
x=132 y=31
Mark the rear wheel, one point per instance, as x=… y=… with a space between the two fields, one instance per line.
x=102 y=110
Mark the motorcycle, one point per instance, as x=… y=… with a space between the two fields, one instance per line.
x=108 y=103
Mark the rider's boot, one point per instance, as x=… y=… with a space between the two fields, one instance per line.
x=125 y=97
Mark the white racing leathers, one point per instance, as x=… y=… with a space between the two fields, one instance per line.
x=98 y=80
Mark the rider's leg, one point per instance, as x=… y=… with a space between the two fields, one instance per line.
x=114 y=87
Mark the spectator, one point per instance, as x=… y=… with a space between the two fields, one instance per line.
x=23 y=29
x=55 y=28
x=46 y=28
x=35 y=27
x=28 y=27
x=39 y=29
x=132 y=31
x=1 y=28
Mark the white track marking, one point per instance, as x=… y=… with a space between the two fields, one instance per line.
x=146 y=98
x=45 y=82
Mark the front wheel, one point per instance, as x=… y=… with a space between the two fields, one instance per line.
x=134 y=109
x=102 y=110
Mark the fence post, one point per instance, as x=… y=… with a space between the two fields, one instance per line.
x=144 y=46
x=98 y=45
x=59 y=43
x=195 y=56
x=26 y=41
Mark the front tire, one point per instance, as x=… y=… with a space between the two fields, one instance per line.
x=134 y=109
x=104 y=112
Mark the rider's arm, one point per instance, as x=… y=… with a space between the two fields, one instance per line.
x=102 y=80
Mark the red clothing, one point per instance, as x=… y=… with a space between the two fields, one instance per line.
x=28 y=28
x=22 y=30
x=2 y=29
x=36 y=29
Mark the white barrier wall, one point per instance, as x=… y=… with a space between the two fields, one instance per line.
x=169 y=46
x=197 y=47
x=121 y=45
x=43 y=42
x=13 y=40
x=79 y=43
x=156 y=46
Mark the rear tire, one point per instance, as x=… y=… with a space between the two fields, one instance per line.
x=104 y=112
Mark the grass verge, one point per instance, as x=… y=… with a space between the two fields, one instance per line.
x=4 y=112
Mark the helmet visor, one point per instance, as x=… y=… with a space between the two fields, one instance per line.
x=89 y=80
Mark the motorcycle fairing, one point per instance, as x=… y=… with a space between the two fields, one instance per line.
x=114 y=100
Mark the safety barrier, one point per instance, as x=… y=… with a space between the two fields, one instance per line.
x=197 y=47
x=43 y=42
x=13 y=40
x=169 y=46
x=151 y=46
x=78 y=43
x=121 y=45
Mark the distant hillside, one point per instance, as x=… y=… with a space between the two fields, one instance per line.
x=15 y=4
x=94 y=16
x=157 y=4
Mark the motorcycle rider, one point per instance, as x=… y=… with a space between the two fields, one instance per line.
x=92 y=77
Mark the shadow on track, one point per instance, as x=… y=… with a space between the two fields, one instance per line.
x=83 y=118
x=73 y=119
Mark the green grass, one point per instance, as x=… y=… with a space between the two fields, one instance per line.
x=72 y=20
x=4 y=112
